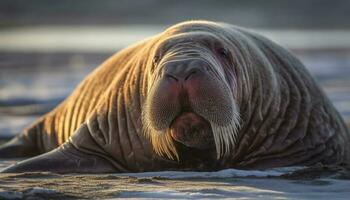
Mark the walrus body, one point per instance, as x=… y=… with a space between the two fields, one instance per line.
x=199 y=96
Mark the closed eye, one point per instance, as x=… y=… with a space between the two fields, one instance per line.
x=156 y=59
x=224 y=53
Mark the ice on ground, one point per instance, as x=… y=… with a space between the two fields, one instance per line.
x=224 y=184
x=226 y=173
x=253 y=189
x=40 y=190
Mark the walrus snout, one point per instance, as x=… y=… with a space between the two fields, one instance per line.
x=188 y=85
x=181 y=80
x=183 y=72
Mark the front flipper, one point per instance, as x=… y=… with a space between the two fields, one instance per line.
x=87 y=158
x=64 y=159
x=18 y=147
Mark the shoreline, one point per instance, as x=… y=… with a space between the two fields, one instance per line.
x=110 y=38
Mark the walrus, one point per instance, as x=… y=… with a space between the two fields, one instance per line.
x=200 y=96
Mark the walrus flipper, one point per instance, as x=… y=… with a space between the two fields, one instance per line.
x=28 y=143
x=66 y=159
x=18 y=147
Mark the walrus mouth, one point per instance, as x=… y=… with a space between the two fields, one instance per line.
x=192 y=130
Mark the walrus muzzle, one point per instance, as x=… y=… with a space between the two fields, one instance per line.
x=192 y=104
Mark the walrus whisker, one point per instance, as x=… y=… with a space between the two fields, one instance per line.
x=162 y=143
x=225 y=137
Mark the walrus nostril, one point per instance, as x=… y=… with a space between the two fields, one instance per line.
x=192 y=72
x=171 y=77
x=181 y=74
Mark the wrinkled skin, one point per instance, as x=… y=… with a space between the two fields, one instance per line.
x=200 y=96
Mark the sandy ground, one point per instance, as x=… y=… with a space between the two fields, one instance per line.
x=282 y=183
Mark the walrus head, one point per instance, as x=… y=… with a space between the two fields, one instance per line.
x=192 y=93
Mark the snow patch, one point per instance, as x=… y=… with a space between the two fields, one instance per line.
x=227 y=173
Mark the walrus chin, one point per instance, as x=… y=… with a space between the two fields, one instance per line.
x=192 y=130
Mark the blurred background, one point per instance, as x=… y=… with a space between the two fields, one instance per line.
x=47 y=47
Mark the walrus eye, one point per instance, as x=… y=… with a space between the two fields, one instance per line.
x=224 y=53
x=155 y=59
